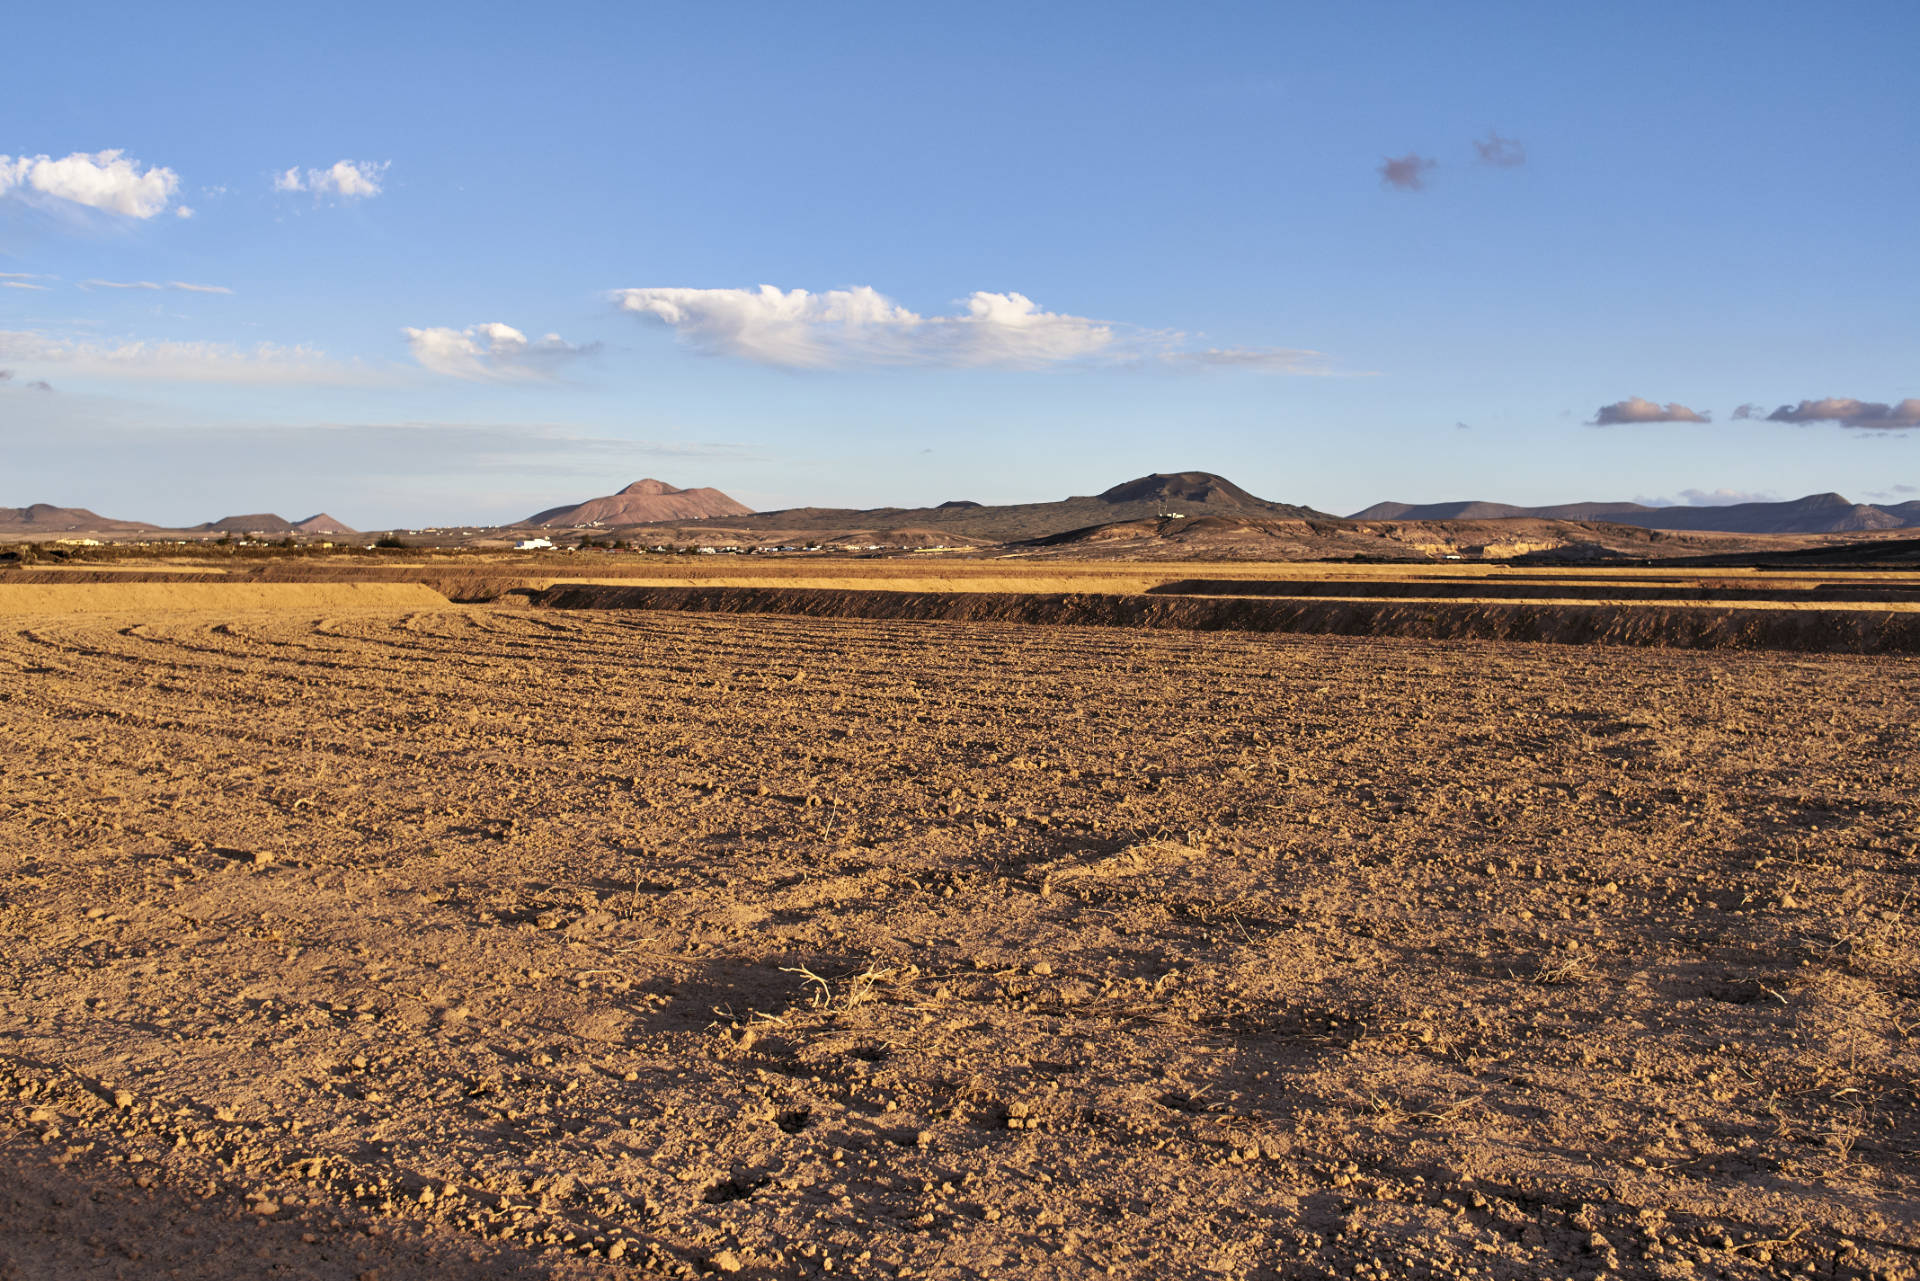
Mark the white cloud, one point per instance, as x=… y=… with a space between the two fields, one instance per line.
x=118 y=284
x=198 y=362
x=25 y=275
x=801 y=330
x=347 y=179
x=198 y=289
x=104 y=180
x=1636 y=409
x=491 y=352
x=22 y=284
x=796 y=329
x=1848 y=412
x=184 y=211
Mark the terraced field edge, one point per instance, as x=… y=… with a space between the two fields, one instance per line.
x=1849 y=631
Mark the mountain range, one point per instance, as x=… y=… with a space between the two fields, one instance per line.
x=45 y=518
x=1191 y=494
x=1814 y=514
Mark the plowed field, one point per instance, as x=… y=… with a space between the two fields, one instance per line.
x=509 y=943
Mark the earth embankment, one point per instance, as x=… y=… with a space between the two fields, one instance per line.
x=1725 y=626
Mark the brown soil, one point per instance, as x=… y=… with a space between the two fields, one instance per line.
x=108 y=598
x=498 y=943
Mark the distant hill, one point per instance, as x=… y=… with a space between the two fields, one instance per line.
x=323 y=524
x=257 y=523
x=1189 y=493
x=1216 y=494
x=1814 y=514
x=643 y=502
x=45 y=518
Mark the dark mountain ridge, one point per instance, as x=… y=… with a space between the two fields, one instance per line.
x=254 y=523
x=1188 y=493
x=1814 y=514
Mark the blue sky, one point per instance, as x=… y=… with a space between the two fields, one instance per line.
x=1043 y=249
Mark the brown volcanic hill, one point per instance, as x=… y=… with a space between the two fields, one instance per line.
x=1814 y=514
x=321 y=523
x=45 y=518
x=256 y=523
x=1192 y=493
x=1192 y=488
x=642 y=502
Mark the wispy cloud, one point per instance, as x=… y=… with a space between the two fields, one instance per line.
x=23 y=284
x=104 y=180
x=491 y=352
x=1635 y=410
x=195 y=362
x=1848 y=412
x=1280 y=360
x=1749 y=410
x=844 y=328
x=1504 y=153
x=25 y=275
x=1408 y=172
x=347 y=179
x=155 y=285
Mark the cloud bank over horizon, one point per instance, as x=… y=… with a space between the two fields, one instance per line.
x=846 y=328
x=797 y=329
